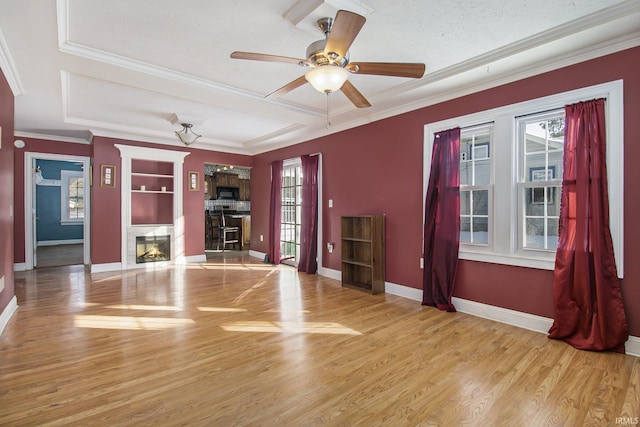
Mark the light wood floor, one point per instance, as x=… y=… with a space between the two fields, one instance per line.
x=237 y=342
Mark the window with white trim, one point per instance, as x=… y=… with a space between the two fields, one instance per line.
x=540 y=153
x=515 y=190
x=475 y=185
x=71 y=197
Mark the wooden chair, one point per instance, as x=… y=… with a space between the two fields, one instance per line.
x=212 y=230
x=227 y=234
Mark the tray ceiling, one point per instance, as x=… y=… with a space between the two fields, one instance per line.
x=123 y=68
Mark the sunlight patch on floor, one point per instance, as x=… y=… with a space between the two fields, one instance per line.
x=290 y=327
x=144 y=307
x=129 y=322
x=234 y=266
x=223 y=309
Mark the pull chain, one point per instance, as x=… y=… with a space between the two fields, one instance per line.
x=328 y=121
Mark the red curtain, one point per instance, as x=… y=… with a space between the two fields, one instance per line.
x=308 y=262
x=589 y=313
x=442 y=221
x=275 y=212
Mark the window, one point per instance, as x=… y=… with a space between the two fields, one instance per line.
x=475 y=185
x=511 y=177
x=540 y=149
x=291 y=212
x=71 y=197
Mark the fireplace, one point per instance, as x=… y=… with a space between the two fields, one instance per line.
x=153 y=248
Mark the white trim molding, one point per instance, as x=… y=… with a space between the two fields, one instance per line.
x=195 y=259
x=60 y=242
x=518 y=319
x=8 y=67
x=503 y=246
x=8 y=313
x=29 y=211
x=128 y=153
x=102 y=268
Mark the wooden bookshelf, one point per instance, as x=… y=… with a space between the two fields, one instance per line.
x=363 y=252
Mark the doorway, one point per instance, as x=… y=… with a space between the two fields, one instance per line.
x=56 y=210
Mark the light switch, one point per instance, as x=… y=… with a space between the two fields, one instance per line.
x=330 y=203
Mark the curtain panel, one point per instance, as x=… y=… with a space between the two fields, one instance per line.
x=442 y=221
x=588 y=306
x=275 y=212
x=308 y=261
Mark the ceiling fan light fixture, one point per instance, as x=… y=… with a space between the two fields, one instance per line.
x=327 y=78
x=187 y=136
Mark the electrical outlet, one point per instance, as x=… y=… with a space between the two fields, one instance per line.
x=330 y=203
x=330 y=247
x=262 y=238
x=422 y=263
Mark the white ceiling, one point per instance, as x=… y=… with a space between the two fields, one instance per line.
x=122 y=68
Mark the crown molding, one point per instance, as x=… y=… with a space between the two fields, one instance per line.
x=201 y=145
x=9 y=69
x=49 y=137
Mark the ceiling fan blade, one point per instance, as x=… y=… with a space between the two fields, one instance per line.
x=354 y=95
x=269 y=58
x=397 y=69
x=344 y=30
x=288 y=87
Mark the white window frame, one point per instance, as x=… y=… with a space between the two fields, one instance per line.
x=488 y=128
x=524 y=186
x=504 y=221
x=65 y=177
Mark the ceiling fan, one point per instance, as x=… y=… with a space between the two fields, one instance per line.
x=329 y=60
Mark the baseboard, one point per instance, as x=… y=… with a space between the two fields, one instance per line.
x=510 y=317
x=256 y=254
x=8 y=312
x=20 y=266
x=504 y=315
x=102 y=268
x=196 y=258
x=632 y=347
x=330 y=273
x=403 y=291
x=60 y=242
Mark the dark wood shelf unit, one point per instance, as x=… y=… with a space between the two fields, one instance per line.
x=363 y=252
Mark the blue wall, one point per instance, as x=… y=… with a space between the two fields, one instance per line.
x=48 y=204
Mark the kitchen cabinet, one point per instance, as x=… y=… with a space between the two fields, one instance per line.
x=245 y=190
x=209 y=187
x=226 y=180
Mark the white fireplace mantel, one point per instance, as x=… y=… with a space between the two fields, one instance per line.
x=176 y=230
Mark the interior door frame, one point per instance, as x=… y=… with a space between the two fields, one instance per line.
x=29 y=206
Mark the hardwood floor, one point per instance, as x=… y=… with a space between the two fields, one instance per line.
x=237 y=342
x=59 y=255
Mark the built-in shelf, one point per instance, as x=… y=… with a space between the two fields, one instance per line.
x=363 y=252
x=151 y=212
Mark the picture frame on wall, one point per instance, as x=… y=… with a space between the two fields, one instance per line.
x=107 y=176
x=193 y=180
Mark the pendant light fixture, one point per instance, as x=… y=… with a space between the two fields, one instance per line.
x=187 y=136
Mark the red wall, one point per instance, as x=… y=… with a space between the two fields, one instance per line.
x=105 y=225
x=6 y=191
x=35 y=146
x=106 y=206
x=377 y=168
